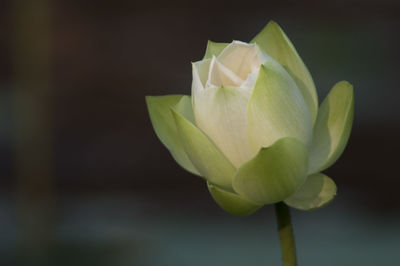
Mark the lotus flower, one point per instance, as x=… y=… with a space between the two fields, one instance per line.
x=252 y=127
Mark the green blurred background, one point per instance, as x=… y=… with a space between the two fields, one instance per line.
x=84 y=180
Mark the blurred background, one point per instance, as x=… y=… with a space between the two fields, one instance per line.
x=85 y=181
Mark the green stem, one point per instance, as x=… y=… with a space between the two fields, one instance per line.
x=286 y=234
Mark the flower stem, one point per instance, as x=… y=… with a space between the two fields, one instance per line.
x=286 y=234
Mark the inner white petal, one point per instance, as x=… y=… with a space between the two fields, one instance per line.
x=219 y=75
x=241 y=58
x=203 y=68
x=251 y=80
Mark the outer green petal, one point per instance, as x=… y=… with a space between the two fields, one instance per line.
x=164 y=125
x=184 y=107
x=317 y=191
x=275 y=42
x=276 y=109
x=232 y=202
x=214 y=48
x=210 y=162
x=332 y=128
x=274 y=174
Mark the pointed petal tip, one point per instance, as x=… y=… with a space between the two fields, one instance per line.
x=210 y=42
x=344 y=82
x=214 y=48
x=149 y=97
x=343 y=85
x=152 y=99
x=272 y=23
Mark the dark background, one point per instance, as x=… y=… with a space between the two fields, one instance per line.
x=85 y=181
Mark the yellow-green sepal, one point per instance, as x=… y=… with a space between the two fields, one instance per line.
x=274 y=41
x=274 y=173
x=164 y=125
x=205 y=156
x=316 y=192
x=332 y=128
x=214 y=48
x=232 y=202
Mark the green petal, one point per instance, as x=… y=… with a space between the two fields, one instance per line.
x=332 y=128
x=317 y=191
x=210 y=162
x=275 y=42
x=274 y=174
x=276 y=109
x=214 y=48
x=164 y=125
x=184 y=107
x=232 y=202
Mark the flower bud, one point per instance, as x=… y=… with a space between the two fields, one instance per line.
x=252 y=126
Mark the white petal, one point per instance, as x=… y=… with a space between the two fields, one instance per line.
x=221 y=114
x=241 y=58
x=219 y=75
x=249 y=83
x=263 y=57
x=200 y=73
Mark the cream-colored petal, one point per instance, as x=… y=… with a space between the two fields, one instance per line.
x=241 y=58
x=219 y=75
x=249 y=83
x=263 y=58
x=200 y=71
x=221 y=114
